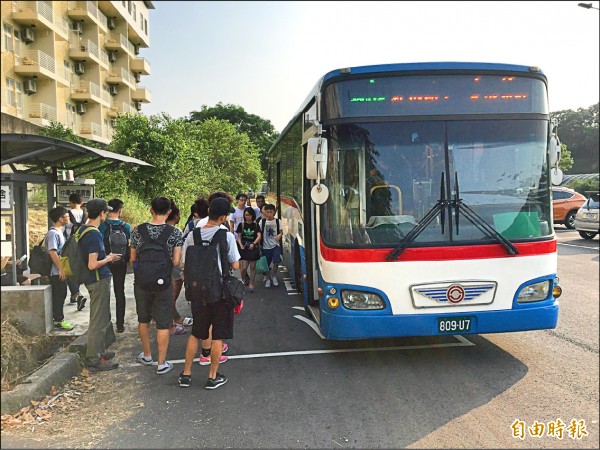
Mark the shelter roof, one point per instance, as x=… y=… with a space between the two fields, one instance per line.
x=41 y=153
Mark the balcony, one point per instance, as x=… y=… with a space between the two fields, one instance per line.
x=36 y=62
x=93 y=130
x=121 y=76
x=88 y=90
x=86 y=49
x=117 y=41
x=140 y=65
x=142 y=94
x=61 y=26
x=41 y=114
x=39 y=14
x=87 y=11
x=120 y=108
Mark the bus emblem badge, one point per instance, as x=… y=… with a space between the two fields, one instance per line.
x=455 y=293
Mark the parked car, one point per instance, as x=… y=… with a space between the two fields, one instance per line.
x=586 y=220
x=565 y=203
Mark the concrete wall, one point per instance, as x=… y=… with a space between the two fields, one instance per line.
x=12 y=124
x=30 y=306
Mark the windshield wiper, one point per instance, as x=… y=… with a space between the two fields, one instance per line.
x=438 y=208
x=461 y=207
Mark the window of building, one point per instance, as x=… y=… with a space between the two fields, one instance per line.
x=11 y=99
x=129 y=7
x=7 y=35
x=146 y=25
x=124 y=4
x=19 y=91
x=134 y=12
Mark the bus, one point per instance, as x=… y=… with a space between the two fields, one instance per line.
x=415 y=200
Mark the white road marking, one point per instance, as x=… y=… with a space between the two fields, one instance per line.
x=464 y=343
x=311 y=324
x=288 y=286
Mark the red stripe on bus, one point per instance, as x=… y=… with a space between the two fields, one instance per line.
x=437 y=253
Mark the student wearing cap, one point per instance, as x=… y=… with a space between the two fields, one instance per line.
x=218 y=315
x=97 y=283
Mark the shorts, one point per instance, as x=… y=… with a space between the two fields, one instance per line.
x=219 y=315
x=273 y=255
x=157 y=305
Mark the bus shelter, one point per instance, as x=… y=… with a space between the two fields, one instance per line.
x=61 y=166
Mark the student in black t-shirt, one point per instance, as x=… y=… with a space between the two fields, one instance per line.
x=248 y=238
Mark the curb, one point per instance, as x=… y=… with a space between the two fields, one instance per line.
x=56 y=372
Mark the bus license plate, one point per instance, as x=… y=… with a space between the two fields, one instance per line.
x=454 y=324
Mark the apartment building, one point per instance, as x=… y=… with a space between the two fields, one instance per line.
x=74 y=62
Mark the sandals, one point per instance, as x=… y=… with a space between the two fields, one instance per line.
x=179 y=330
x=251 y=290
x=187 y=322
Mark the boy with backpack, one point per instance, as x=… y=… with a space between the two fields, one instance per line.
x=96 y=276
x=209 y=252
x=54 y=242
x=117 y=234
x=155 y=250
x=272 y=232
x=77 y=217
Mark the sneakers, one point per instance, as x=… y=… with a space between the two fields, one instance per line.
x=81 y=302
x=205 y=360
x=73 y=299
x=215 y=382
x=187 y=322
x=64 y=325
x=101 y=365
x=184 y=380
x=225 y=348
x=142 y=360
x=275 y=282
x=268 y=283
x=162 y=369
x=120 y=328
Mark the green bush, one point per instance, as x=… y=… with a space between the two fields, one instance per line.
x=582 y=186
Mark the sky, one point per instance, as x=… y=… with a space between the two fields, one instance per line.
x=267 y=56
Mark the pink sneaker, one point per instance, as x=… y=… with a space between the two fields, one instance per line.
x=225 y=348
x=205 y=360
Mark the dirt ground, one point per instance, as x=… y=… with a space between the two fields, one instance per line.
x=76 y=416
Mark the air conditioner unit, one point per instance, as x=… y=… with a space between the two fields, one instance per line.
x=113 y=123
x=30 y=86
x=79 y=68
x=113 y=89
x=80 y=108
x=136 y=49
x=77 y=26
x=27 y=35
x=112 y=56
x=137 y=77
x=137 y=106
x=111 y=23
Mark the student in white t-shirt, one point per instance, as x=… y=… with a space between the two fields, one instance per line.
x=77 y=217
x=272 y=232
x=238 y=216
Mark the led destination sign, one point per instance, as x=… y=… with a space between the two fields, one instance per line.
x=435 y=94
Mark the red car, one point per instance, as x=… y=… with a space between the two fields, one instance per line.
x=565 y=203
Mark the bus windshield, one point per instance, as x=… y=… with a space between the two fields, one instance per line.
x=384 y=177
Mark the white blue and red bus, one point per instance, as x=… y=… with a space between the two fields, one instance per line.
x=415 y=200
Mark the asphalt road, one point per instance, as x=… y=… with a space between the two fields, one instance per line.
x=288 y=388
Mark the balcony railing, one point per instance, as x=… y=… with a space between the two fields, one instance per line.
x=42 y=111
x=92 y=128
x=61 y=26
x=79 y=9
x=104 y=58
x=33 y=11
x=87 y=90
x=140 y=65
x=33 y=58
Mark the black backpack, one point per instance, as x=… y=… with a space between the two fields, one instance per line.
x=202 y=277
x=39 y=259
x=153 y=265
x=115 y=240
x=76 y=224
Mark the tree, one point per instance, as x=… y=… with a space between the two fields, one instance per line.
x=579 y=130
x=260 y=131
x=566 y=160
x=188 y=158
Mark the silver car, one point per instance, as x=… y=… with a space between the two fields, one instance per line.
x=586 y=220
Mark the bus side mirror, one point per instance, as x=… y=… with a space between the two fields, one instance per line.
x=555 y=150
x=316 y=158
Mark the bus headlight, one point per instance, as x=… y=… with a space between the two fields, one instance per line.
x=362 y=300
x=534 y=292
